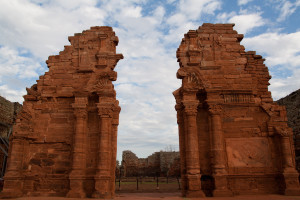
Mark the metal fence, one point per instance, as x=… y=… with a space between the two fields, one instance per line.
x=148 y=184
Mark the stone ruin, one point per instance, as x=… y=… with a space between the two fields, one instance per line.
x=65 y=139
x=8 y=114
x=233 y=138
x=161 y=164
x=231 y=133
x=292 y=104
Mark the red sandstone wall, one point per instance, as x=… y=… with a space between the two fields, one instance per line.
x=64 y=142
x=230 y=130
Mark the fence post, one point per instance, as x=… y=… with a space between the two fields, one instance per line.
x=178 y=183
x=137 y=183
x=157 y=183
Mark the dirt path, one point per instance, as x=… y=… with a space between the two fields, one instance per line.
x=172 y=196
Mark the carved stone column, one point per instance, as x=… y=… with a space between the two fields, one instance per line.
x=192 y=150
x=289 y=172
x=77 y=175
x=182 y=147
x=103 y=171
x=218 y=152
x=114 y=136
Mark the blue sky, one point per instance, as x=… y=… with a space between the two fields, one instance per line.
x=149 y=34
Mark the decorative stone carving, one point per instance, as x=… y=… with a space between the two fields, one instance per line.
x=72 y=109
x=237 y=136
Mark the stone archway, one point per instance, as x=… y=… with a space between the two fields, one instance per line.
x=229 y=127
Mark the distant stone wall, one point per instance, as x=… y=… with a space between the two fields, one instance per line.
x=129 y=164
x=292 y=104
x=158 y=164
x=8 y=113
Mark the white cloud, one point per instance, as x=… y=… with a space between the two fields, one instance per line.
x=194 y=8
x=286 y=9
x=12 y=94
x=132 y=12
x=43 y=30
x=246 y=22
x=243 y=2
x=12 y=64
x=282 y=55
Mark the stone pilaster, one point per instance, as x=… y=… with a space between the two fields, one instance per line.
x=218 y=152
x=289 y=172
x=103 y=171
x=77 y=175
x=193 y=175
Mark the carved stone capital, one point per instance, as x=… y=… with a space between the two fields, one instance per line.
x=105 y=110
x=80 y=113
x=190 y=107
x=215 y=109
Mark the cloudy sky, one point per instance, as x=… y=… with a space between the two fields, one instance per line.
x=149 y=34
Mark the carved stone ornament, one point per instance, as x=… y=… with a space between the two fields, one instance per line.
x=190 y=107
x=80 y=113
x=105 y=110
x=215 y=109
x=193 y=79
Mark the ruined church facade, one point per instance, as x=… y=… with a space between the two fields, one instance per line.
x=65 y=139
x=230 y=130
x=231 y=133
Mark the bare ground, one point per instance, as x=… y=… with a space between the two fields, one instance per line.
x=172 y=196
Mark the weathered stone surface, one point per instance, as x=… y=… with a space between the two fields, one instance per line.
x=231 y=133
x=292 y=104
x=8 y=114
x=65 y=139
x=161 y=163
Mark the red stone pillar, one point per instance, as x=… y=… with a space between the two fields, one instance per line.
x=218 y=153
x=289 y=172
x=182 y=147
x=114 y=136
x=13 y=179
x=103 y=171
x=192 y=150
x=77 y=175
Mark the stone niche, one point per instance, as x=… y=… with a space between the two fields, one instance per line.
x=65 y=139
x=233 y=138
